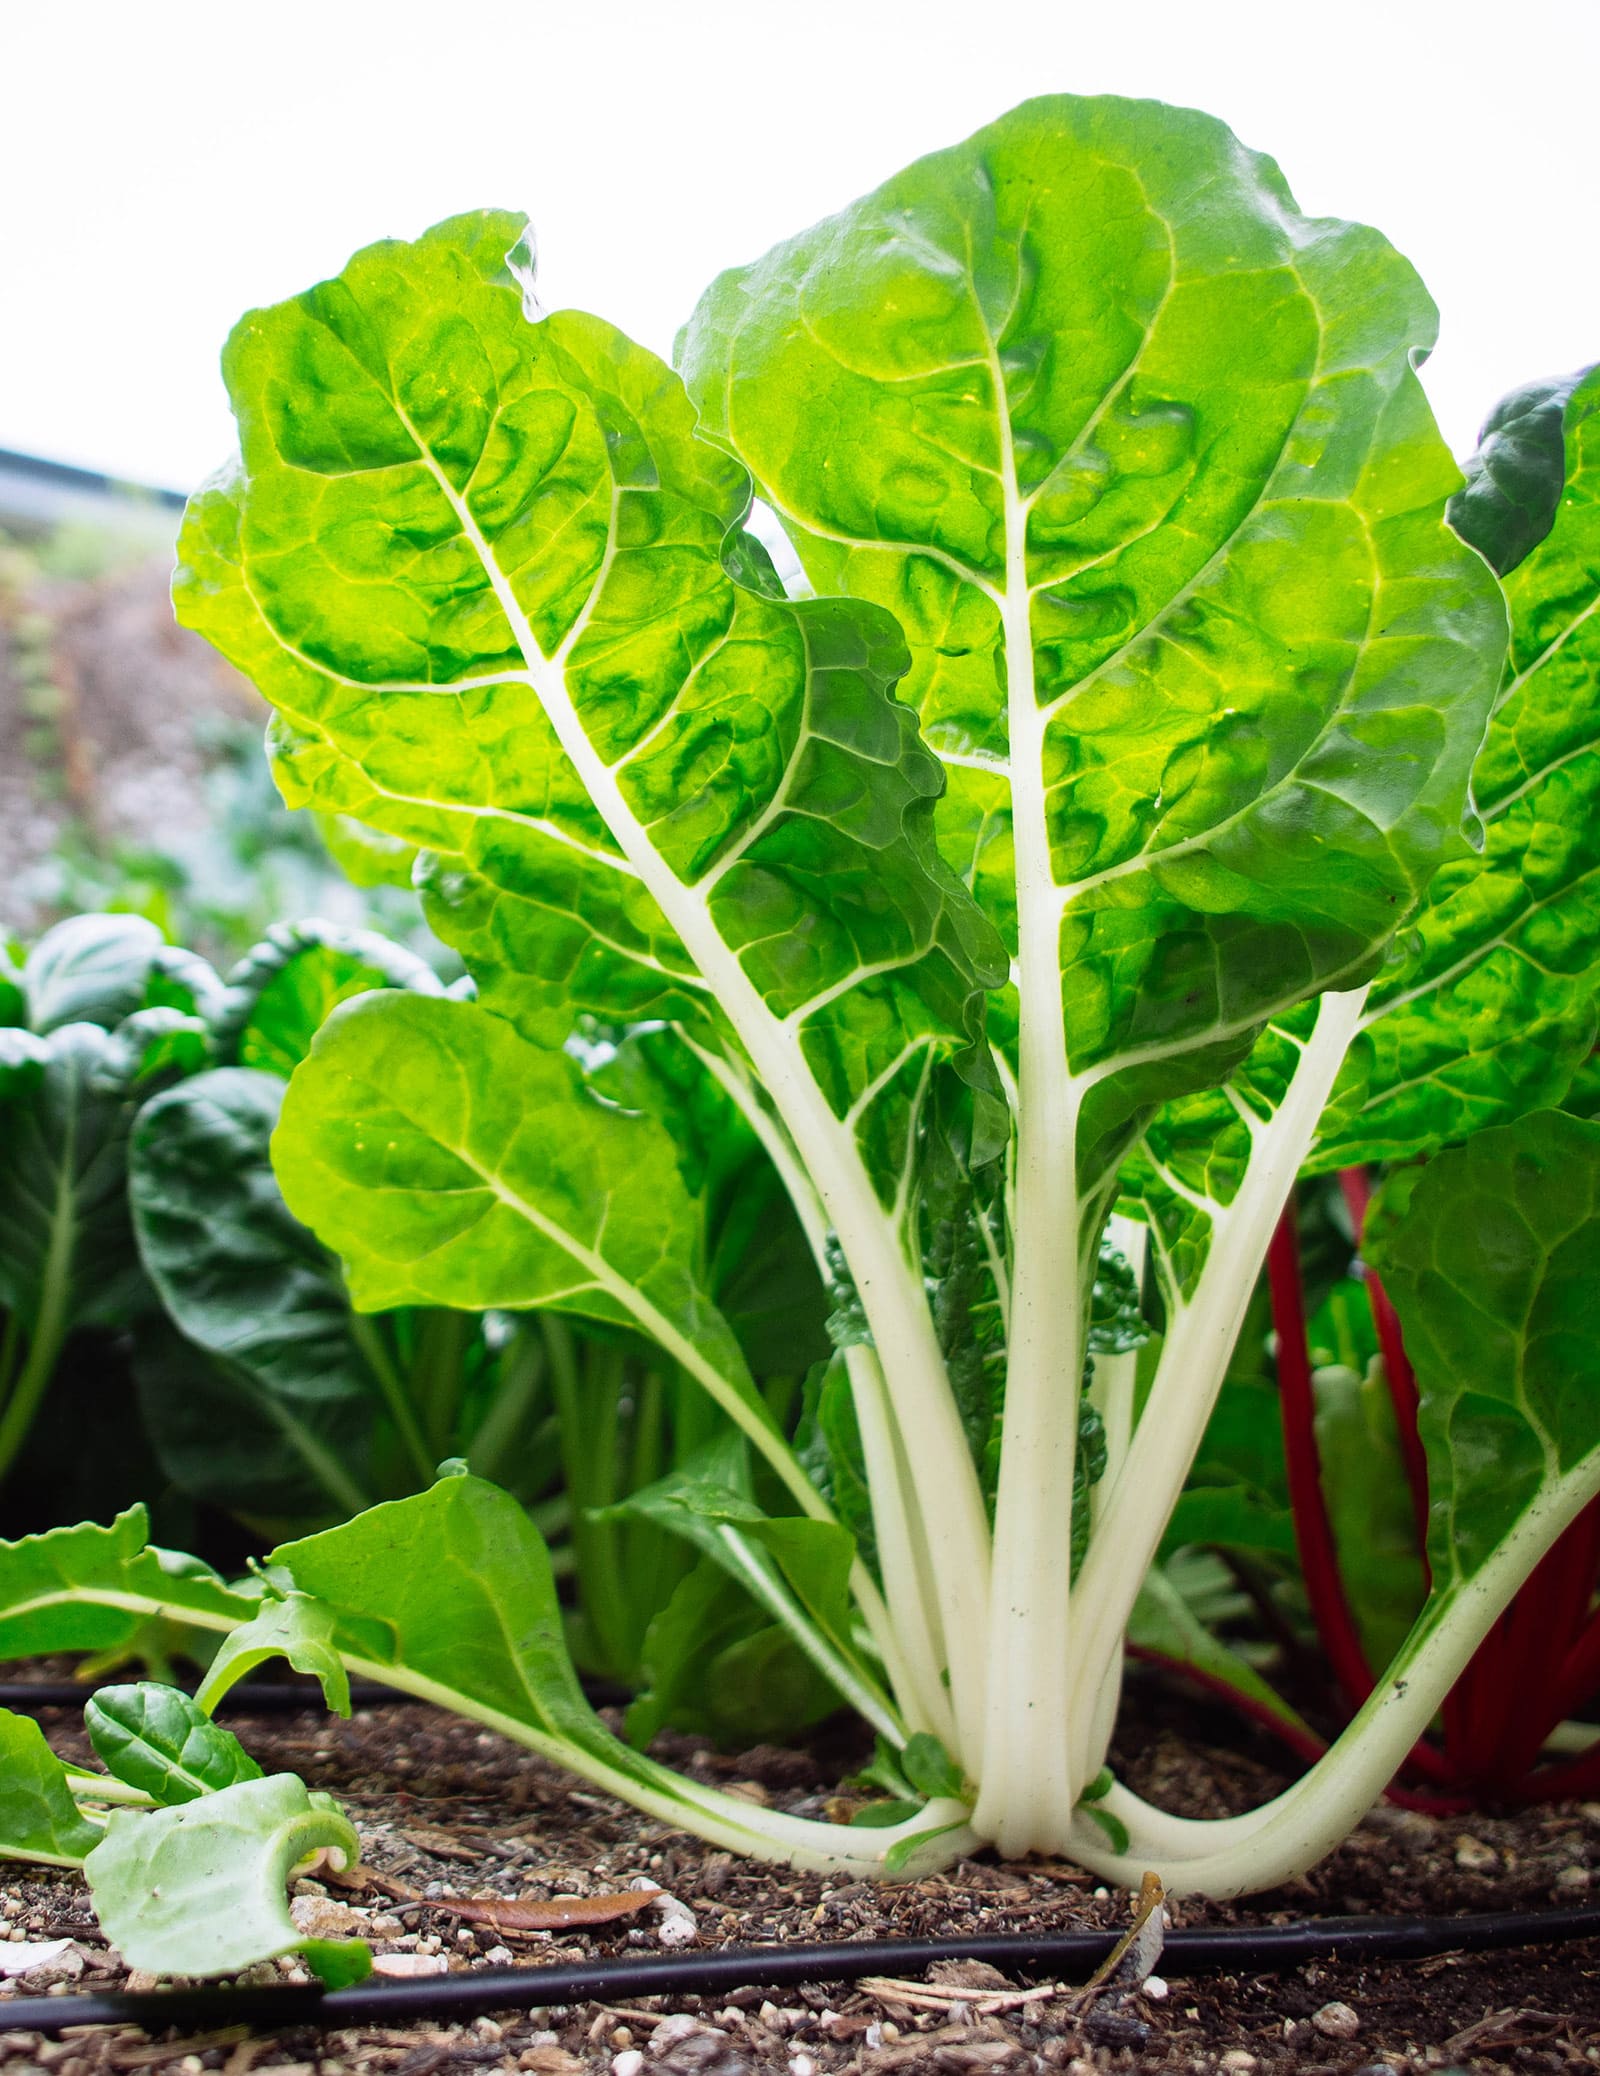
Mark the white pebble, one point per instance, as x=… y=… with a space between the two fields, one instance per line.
x=405 y=1964
x=802 y=2064
x=677 y=1926
x=1154 y=1987
x=680 y=2026
x=628 y=2063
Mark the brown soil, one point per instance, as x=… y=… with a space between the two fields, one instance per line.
x=444 y=1809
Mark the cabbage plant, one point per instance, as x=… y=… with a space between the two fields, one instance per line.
x=1040 y=859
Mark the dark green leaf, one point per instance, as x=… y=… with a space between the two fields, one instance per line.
x=1514 y=480
x=1490 y=1254
x=159 y=1740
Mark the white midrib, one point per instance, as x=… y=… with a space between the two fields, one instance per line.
x=891 y=1295
x=908 y=1645
x=1194 y=1359
x=1024 y=1800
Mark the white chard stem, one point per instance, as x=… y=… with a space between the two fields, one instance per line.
x=1026 y=1796
x=1232 y=1856
x=1194 y=1360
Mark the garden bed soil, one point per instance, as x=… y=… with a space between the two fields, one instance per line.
x=444 y=1809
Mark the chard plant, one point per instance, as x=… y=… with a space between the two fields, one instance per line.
x=1029 y=884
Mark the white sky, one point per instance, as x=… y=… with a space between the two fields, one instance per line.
x=165 y=166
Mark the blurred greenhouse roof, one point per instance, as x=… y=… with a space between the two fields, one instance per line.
x=38 y=495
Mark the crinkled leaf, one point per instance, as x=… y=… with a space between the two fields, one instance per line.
x=1495 y=999
x=495 y=584
x=39 y=1819
x=1124 y=440
x=91 y=969
x=200 y=1889
x=160 y=1740
x=1490 y=1255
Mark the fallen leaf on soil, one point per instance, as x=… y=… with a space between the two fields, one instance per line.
x=545 y=1913
x=513 y=1913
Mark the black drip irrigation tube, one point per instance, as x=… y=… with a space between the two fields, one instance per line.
x=1232 y=1949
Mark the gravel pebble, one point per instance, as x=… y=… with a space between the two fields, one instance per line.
x=1338 y=2021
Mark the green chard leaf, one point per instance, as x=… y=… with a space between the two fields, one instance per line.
x=1493 y=1003
x=1369 y=1505
x=199 y=1889
x=797 y=1569
x=452 y=1161
x=67 y=1253
x=281 y=993
x=93 y=1589
x=711 y=1663
x=294 y=1627
x=1514 y=481
x=453 y=1586
x=39 y=1818
x=159 y=1740
x=495 y=584
x=103 y=969
x=1489 y=1254
x=247 y=1283
x=1166 y=1628
x=1136 y=455
x=66 y=1248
